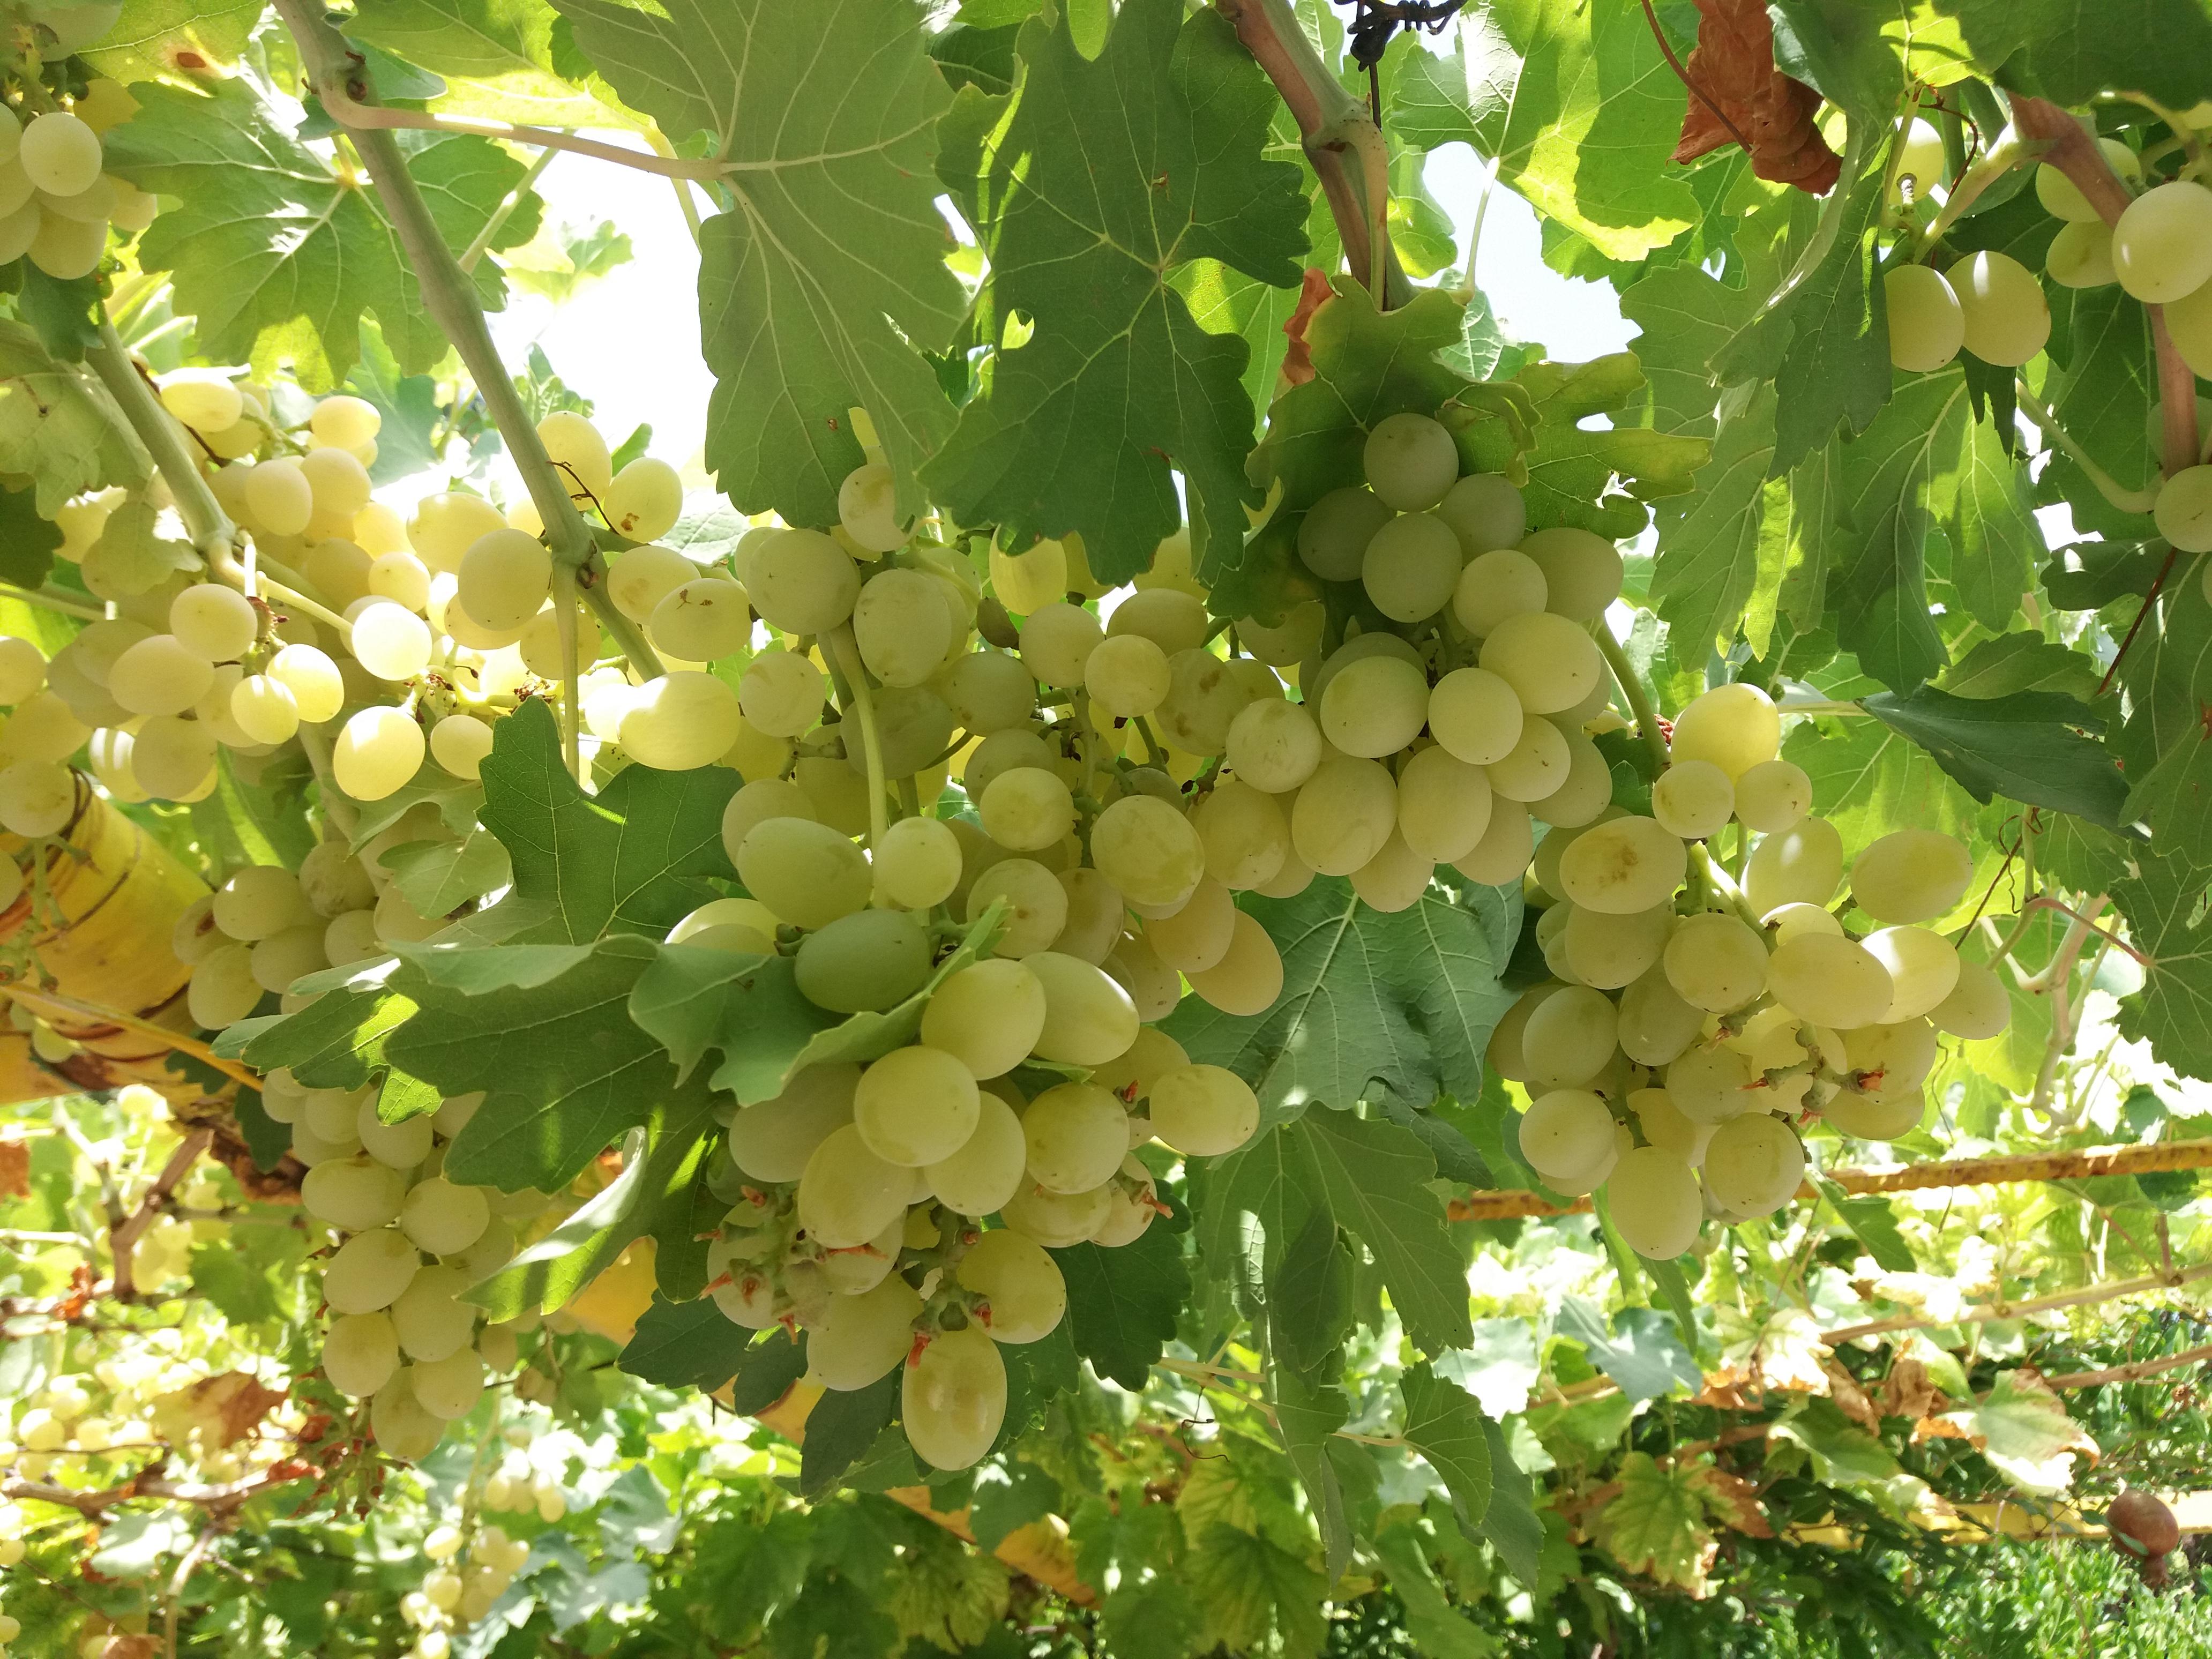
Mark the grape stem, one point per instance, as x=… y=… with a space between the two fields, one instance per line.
x=1719 y=881
x=334 y=71
x=51 y=600
x=686 y=203
x=1639 y=700
x=572 y=700
x=369 y=120
x=213 y=535
x=476 y=250
x=863 y=704
x=2047 y=423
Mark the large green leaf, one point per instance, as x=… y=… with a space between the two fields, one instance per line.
x=1722 y=544
x=59 y=426
x=1093 y=182
x=827 y=272
x=1878 y=587
x=627 y=859
x=2165 y=906
x=2028 y=746
x=1445 y=1425
x=1377 y=1178
x=1405 y=1000
x=2068 y=50
x=1122 y=1303
x=497 y=56
x=277 y=257
x=1687 y=315
x=1577 y=105
x=153 y=38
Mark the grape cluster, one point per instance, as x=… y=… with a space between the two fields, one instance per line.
x=56 y=202
x=472 y=1567
x=1991 y=305
x=1690 y=1024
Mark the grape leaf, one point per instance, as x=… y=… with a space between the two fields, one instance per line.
x=335 y=1042
x=1686 y=315
x=1878 y=588
x=1374 y=1176
x=1444 y=1425
x=1256 y=1594
x=2175 y=799
x=2022 y=1427
x=689 y=1345
x=2165 y=904
x=2022 y=662
x=1093 y=184
x=2068 y=50
x=1641 y=1352
x=277 y=256
x=1122 y=1303
x=155 y=39
x=2026 y=746
x=1406 y=1000
x=497 y=57
x=2102 y=393
x=627 y=859
x=1982 y=502
x=827 y=273
x=1436 y=1627
x=1724 y=543
x=438 y=876
x=1656 y=1527
x=58 y=426
x=1578 y=109
x=26 y=541
x=1868 y=780
x=2168 y=675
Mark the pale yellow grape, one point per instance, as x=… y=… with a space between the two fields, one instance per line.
x=1077 y=1134
x=989 y=1015
x=160 y=676
x=443 y=1218
x=1927 y=324
x=354 y=1194
x=1394 y=879
x=1911 y=875
x=989 y=690
x=952 y=1398
x=1035 y=906
x=1358 y=647
x=1444 y=805
x=1171 y=619
x=1774 y=796
x=1655 y=1024
x=1153 y=986
x=2162 y=244
x=338 y=481
x=867 y=509
x=222 y=988
x=1581 y=797
x=369 y=1271
x=771 y=1140
x=1131 y=1075
x=59 y=153
x=1886 y=1059
x=847 y=1194
x=741 y=924
x=781 y=693
x=902 y=627
x=346 y=422
x=1486 y=513
x=1291 y=641
x=1001 y=752
x=1875 y=1117
x=699 y=620
x=862 y=1338
x=1205 y=695
x=339 y=570
x=864 y=963
x=42 y=728
x=1244 y=833
x=1800 y=865
x=390 y=640
x=1501 y=583
x=1923 y=968
x=1095 y=912
x=1788 y=922
x=640 y=578
x=1538 y=764
x=644 y=500
x=377 y=751
x=1410 y=567
x=1627 y=864
x=291 y=955
x=2063 y=198
x=1611 y=951
x=278 y=497
x=1655 y=1202
x=2183 y=509
x=1735 y=726
x=1564 y=1132
x=1126 y=675
x=203 y=399
x=504 y=579
x=2008 y=319
x=1057 y=641
x=1917 y=167
x=1830 y=981
x=1203 y=1111
x=1148 y=850
x=402 y=578
x=1027 y=581
x=989 y=1168
x=212 y=710
x=401 y=1146
x=1248 y=978
x=1411 y=462
x=1333 y=535
x=1027 y=809
x=1581 y=571
x=22 y=669
x=801 y=581
x=172 y=759
x=1550 y=662
x=1714 y=963
x=214 y=622
x=1024 y=1296
x=755 y=803
x=916 y=1105
x=64 y=248
x=1375 y=706
x=1665 y=1127
x=685 y=719
x=917 y=863
x=578 y=453
x=1753 y=1163
x=1089 y=1018
x=1274 y=746
x=1476 y=715
x=1979 y=1005
x=360 y=1353
x=807 y=873
x=1694 y=798
x=2189 y=322
x=449 y=1388
x=1506 y=1052
x=460 y=744
x=2081 y=255
x=1343 y=814
x=1711 y=1083
x=446 y=526
x=1570 y=1036
x=1195 y=937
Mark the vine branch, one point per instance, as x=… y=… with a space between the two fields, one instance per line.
x=213 y=535
x=1639 y=700
x=357 y=117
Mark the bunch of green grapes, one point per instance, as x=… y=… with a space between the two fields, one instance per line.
x=472 y=1566
x=57 y=202
x=1689 y=1026
x=2159 y=250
